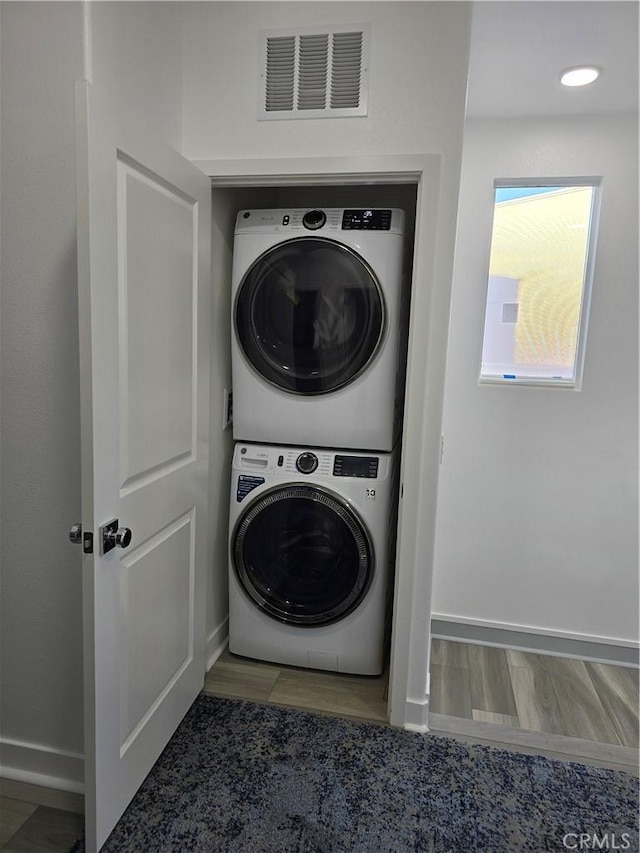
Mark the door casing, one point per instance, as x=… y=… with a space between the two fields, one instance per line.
x=420 y=458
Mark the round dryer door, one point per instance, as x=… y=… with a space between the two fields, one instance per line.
x=310 y=315
x=302 y=555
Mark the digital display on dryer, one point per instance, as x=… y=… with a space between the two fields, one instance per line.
x=355 y=466
x=366 y=220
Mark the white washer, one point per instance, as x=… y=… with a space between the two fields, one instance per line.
x=316 y=315
x=309 y=556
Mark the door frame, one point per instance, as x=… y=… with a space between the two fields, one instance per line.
x=428 y=333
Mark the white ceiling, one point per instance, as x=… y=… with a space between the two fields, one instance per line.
x=519 y=48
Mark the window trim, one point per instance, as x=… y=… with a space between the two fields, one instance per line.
x=574 y=383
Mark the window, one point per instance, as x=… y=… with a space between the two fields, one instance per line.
x=540 y=271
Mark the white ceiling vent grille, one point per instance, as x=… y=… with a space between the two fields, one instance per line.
x=318 y=72
x=281 y=63
x=347 y=70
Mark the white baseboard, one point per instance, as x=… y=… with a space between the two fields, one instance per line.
x=539 y=640
x=416 y=715
x=40 y=765
x=34 y=764
x=216 y=643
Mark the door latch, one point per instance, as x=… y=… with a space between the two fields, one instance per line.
x=85 y=539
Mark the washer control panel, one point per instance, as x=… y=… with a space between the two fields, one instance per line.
x=256 y=462
x=355 y=466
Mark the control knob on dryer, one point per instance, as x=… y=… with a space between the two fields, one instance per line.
x=314 y=219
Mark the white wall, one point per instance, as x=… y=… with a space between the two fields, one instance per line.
x=419 y=57
x=417 y=86
x=136 y=53
x=538 y=501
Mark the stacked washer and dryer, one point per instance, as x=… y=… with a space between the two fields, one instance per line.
x=317 y=304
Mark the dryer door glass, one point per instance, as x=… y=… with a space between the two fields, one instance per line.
x=303 y=555
x=309 y=315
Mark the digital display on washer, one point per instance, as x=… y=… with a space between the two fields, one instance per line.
x=366 y=220
x=355 y=466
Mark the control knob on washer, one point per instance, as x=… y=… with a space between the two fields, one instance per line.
x=307 y=463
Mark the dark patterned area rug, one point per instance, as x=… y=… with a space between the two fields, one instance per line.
x=251 y=778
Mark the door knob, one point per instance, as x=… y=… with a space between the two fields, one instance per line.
x=122 y=537
x=113 y=536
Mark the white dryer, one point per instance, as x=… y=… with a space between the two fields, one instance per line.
x=316 y=304
x=309 y=556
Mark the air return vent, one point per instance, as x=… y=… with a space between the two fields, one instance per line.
x=318 y=72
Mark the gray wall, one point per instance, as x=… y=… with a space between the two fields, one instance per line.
x=133 y=53
x=538 y=500
x=41 y=572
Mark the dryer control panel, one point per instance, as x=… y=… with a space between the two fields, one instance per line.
x=317 y=222
x=366 y=220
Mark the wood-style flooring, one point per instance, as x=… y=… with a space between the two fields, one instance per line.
x=563 y=696
x=560 y=707
x=34 y=819
x=352 y=696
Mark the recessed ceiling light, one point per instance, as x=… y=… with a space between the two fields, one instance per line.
x=579 y=76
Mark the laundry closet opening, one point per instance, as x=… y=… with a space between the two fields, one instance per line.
x=254 y=517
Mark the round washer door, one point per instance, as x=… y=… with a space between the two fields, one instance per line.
x=310 y=315
x=302 y=555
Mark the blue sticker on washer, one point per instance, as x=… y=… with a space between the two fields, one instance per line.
x=247 y=484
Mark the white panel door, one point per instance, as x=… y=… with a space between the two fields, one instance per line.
x=143 y=256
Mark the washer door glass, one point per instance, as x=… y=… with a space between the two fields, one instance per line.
x=309 y=315
x=302 y=555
